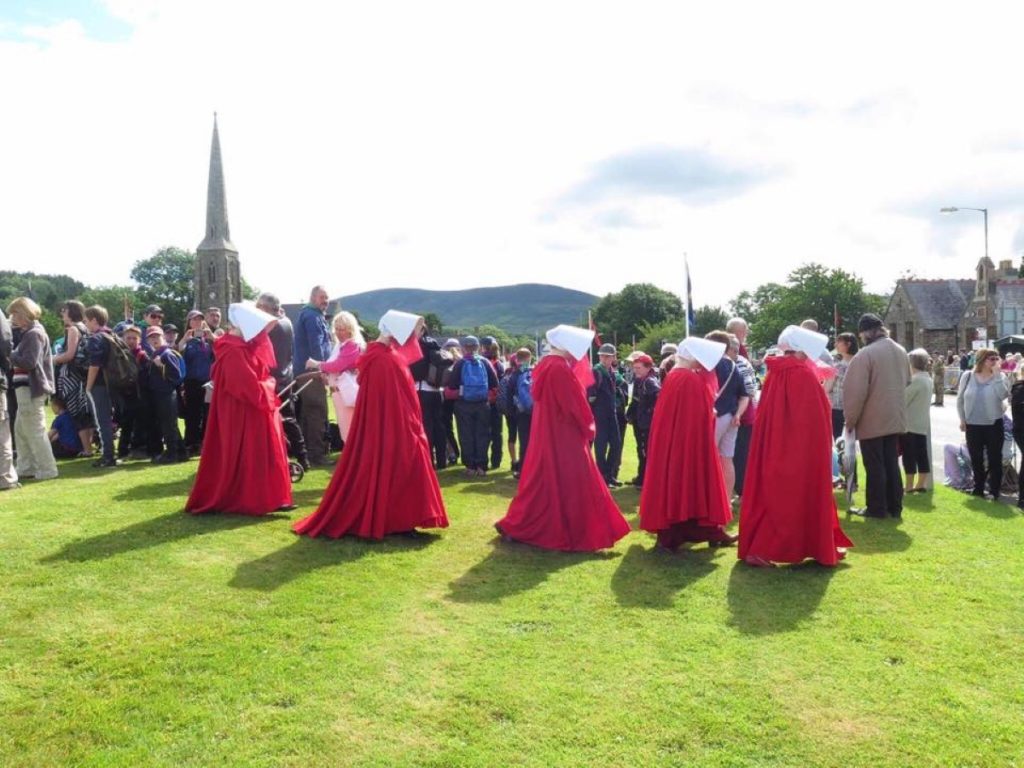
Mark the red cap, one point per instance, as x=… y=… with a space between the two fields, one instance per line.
x=645 y=359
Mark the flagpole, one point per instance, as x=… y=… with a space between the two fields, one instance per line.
x=686 y=307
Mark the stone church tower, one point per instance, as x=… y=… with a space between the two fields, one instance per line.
x=218 y=280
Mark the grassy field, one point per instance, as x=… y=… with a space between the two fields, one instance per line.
x=132 y=634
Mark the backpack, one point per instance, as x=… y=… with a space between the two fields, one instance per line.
x=438 y=373
x=81 y=361
x=119 y=371
x=524 y=391
x=504 y=394
x=474 y=379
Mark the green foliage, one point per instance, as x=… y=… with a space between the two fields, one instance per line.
x=167 y=278
x=623 y=314
x=811 y=292
x=48 y=291
x=53 y=324
x=709 y=319
x=113 y=298
x=435 y=327
x=654 y=335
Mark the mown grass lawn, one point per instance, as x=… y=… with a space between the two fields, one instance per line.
x=132 y=634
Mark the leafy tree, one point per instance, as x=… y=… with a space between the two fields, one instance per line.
x=434 y=325
x=811 y=291
x=709 y=319
x=167 y=278
x=623 y=314
x=113 y=298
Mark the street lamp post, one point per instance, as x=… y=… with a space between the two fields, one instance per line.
x=984 y=211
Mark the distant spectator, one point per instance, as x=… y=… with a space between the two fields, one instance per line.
x=738 y=327
x=32 y=376
x=171 y=333
x=846 y=348
x=196 y=347
x=166 y=372
x=64 y=440
x=521 y=393
x=980 y=401
x=282 y=339
x=874 y=407
x=914 y=443
x=213 y=320
x=134 y=426
x=602 y=396
x=730 y=405
x=70 y=366
x=668 y=359
x=939 y=379
x=153 y=317
x=8 y=474
x=453 y=348
x=746 y=428
x=491 y=352
x=103 y=399
x=340 y=368
x=428 y=375
x=313 y=342
x=473 y=386
x=641 y=410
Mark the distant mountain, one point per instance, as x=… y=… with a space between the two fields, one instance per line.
x=525 y=308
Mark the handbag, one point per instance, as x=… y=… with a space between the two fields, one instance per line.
x=348 y=388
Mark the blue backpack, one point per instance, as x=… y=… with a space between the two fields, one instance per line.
x=474 y=379
x=524 y=394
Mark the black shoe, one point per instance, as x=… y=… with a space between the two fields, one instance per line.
x=107 y=463
x=979 y=494
x=616 y=483
x=287 y=507
x=165 y=458
x=304 y=463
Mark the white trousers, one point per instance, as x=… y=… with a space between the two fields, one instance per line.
x=35 y=457
x=8 y=475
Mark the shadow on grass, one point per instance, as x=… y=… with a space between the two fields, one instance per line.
x=765 y=601
x=995 y=509
x=305 y=555
x=152 y=533
x=649 y=577
x=512 y=567
x=179 y=487
x=872 y=537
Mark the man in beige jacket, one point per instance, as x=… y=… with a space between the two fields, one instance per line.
x=874 y=408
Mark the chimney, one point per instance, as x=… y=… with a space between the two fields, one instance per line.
x=1006 y=268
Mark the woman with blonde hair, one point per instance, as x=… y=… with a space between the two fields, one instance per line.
x=340 y=368
x=980 y=401
x=32 y=364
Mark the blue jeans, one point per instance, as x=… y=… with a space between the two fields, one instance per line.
x=103 y=401
x=607 y=444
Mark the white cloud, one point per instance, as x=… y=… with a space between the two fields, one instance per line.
x=421 y=144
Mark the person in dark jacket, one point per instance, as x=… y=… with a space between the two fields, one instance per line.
x=132 y=442
x=196 y=347
x=166 y=372
x=641 y=410
x=474 y=387
x=282 y=339
x=8 y=474
x=520 y=404
x=603 y=396
x=313 y=342
x=491 y=352
x=427 y=373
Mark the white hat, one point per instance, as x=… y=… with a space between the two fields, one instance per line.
x=704 y=351
x=811 y=343
x=575 y=341
x=398 y=325
x=668 y=348
x=249 y=320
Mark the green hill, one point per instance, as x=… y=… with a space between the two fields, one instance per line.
x=525 y=308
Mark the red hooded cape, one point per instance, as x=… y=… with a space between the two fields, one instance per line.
x=683 y=482
x=562 y=502
x=243 y=467
x=384 y=482
x=789 y=511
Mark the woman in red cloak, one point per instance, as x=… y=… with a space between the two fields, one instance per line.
x=684 y=497
x=384 y=482
x=789 y=510
x=563 y=502
x=243 y=466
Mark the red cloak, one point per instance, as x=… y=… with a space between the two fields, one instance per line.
x=384 y=482
x=684 y=496
x=562 y=502
x=243 y=467
x=789 y=510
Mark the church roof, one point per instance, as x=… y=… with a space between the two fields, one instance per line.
x=1009 y=292
x=218 y=235
x=940 y=303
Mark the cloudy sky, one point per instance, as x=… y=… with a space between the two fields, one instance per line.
x=447 y=145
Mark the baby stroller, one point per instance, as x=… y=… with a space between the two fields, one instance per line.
x=295 y=470
x=844 y=464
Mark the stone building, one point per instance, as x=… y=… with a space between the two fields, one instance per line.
x=941 y=315
x=218 y=280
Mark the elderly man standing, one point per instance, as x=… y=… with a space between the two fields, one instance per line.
x=874 y=407
x=313 y=342
x=282 y=339
x=603 y=395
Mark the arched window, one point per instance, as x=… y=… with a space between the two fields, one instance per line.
x=211 y=272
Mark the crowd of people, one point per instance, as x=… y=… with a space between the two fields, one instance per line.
x=713 y=427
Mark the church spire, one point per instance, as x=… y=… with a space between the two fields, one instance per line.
x=218 y=235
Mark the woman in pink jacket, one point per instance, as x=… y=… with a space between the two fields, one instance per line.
x=340 y=368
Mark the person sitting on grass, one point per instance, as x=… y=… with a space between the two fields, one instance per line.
x=63 y=434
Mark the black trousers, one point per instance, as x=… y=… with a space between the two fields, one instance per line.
x=195 y=413
x=497 y=429
x=739 y=459
x=985 y=442
x=133 y=436
x=523 y=422
x=838 y=422
x=432 y=411
x=915 y=453
x=884 y=482
x=474 y=420
x=292 y=432
x=166 y=406
x=448 y=412
x=641 y=434
x=1018 y=437
x=607 y=444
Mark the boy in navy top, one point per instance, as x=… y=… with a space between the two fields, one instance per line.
x=166 y=373
x=63 y=434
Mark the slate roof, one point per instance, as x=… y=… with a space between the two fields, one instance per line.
x=940 y=304
x=1009 y=292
